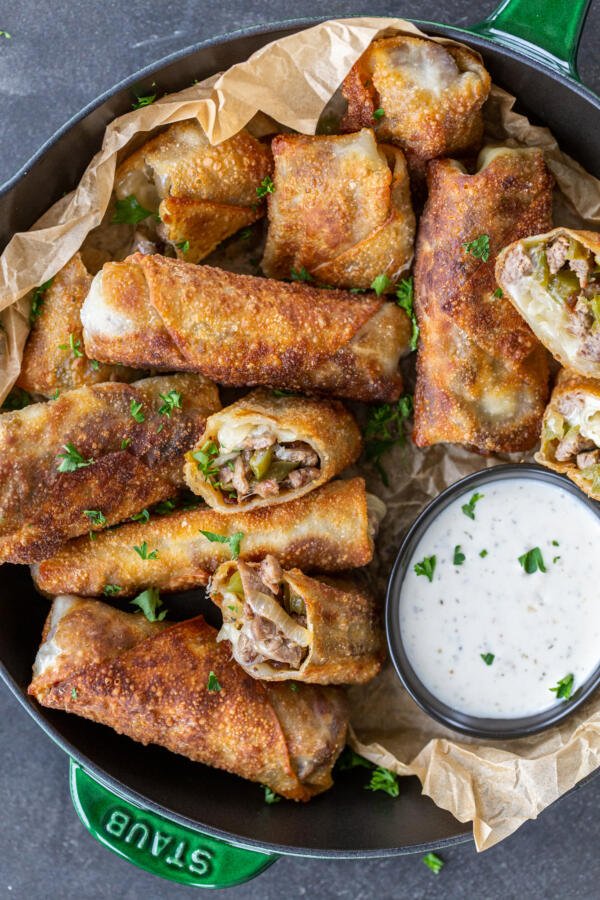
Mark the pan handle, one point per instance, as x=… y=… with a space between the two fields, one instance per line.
x=158 y=845
x=547 y=30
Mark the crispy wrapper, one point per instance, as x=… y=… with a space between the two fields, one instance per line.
x=84 y=432
x=334 y=636
x=325 y=426
x=571 y=431
x=242 y=330
x=54 y=359
x=482 y=375
x=150 y=682
x=341 y=210
x=430 y=95
x=206 y=193
x=329 y=529
x=567 y=328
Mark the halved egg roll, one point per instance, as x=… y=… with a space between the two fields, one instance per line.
x=54 y=358
x=284 y=625
x=571 y=431
x=177 y=687
x=553 y=280
x=267 y=449
x=420 y=94
x=243 y=330
x=202 y=193
x=341 y=210
x=93 y=457
x=330 y=529
x=482 y=375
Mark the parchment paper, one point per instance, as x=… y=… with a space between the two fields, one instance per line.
x=496 y=785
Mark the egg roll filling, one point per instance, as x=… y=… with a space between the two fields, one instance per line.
x=571 y=434
x=263 y=617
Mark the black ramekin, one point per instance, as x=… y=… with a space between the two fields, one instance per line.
x=452 y=718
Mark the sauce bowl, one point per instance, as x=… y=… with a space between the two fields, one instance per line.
x=476 y=726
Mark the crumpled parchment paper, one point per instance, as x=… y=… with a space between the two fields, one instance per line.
x=495 y=785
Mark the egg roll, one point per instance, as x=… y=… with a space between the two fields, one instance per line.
x=201 y=193
x=340 y=212
x=422 y=95
x=54 y=358
x=93 y=457
x=482 y=375
x=553 y=280
x=283 y=625
x=242 y=330
x=268 y=448
x=177 y=687
x=330 y=529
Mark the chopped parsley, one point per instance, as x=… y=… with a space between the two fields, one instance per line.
x=94 y=364
x=213 y=682
x=245 y=234
x=555 y=559
x=233 y=540
x=426 y=567
x=164 y=507
x=384 y=780
x=72 y=459
x=405 y=296
x=204 y=458
x=469 y=508
x=95 y=516
x=433 y=862
x=459 y=557
x=55 y=395
x=555 y=544
x=488 y=658
x=479 y=248
x=498 y=293
x=74 y=693
x=130 y=212
x=143 y=99
x=270 y=796
x=135 y=408
x=564 y=687
x=348 y=759
x=266 y=187
x=380 y=284
x=17 y=399
x=294 y=686
x=125 y=443
x=143 y=516
x=379 y=114
x=483 y=553
x=184 y=246
x=149 y=601
x=385 y=429
x=301 y=275
x=37 y=300
x=109 y=590
x=74 y=346
x=142 y=552
x=171 y=401
x=533 y=561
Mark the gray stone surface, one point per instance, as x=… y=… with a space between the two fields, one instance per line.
x=62 y=54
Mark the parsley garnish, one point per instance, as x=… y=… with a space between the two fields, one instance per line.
x=94 y=364
x=564 y=687
x=204 y=458
x=233 y=540
x=271 y=796
x=95 y=516
x=380 y=284
x=294 y=686
x=479 y=248
x=213 y=682
x=488 y=658
x=459 y=557
x=143 y=516
x=109 y=590
x=149 y=601
x=405 y=295
x=555 y=544
x=266 y=187
x=498 y=293
x=426 y=567
x=483 y=553
x=72 y=459
x=125 y=443
x=6 y=35
x=532 y=561
x=555 y=559
x=73 y=345
x=37 y=300
x=17 y=399
x=74 y=693
x=142 y=552
x=348 y=759
x=245 y=234
x=135 y=408
x=130 y=212
x=301 y=275
x=433 y=862
x=379 y=114
x=143 y=100
x=171 y=401
x=184 y=246
x=384 y=429
x=164 y=507
x=469 y=508
x=384 y=780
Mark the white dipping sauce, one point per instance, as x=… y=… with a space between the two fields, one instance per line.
x=540 y=627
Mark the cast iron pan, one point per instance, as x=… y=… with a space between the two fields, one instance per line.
x=158 y=810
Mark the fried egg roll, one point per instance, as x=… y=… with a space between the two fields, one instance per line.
x=284 y=625
x=54 y=358
x=177 y=687
x=571 y=431
x=267 y=448
x=482 y=375
x=553 y=280
x=202 y=193
x=341 y=210
x=422 y=95
x=93 y=457
x=330 y=529
x=242 y=330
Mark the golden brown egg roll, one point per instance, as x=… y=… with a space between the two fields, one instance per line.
x=571 y=431
x=553 y=280
x=93 y=457
x=482 y=375
x=330 y=529
x=242 y=330
x=284 y=625
x=202 y=193
x=267 y=448
x=341 y=210
x=54 y=358
x=422 y=95
x=176 y=687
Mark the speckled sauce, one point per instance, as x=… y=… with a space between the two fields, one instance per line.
x=539 y=627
